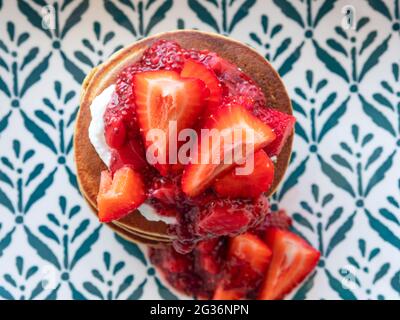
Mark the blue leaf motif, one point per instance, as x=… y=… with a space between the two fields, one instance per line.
x=330 y=62
x=36 y=74
x=158 y=16
x=290 y=61
x=395 y=282
x=373 y=59
x=132 y=249
x=34 y=18
x=34 y=173
x=381 y=7
x=376 y=116
x=323 y=10
x=379 y=174
x=85 y=247
x=242 y=12
x=336 y=177
x=305 y=288
x=71 y=67
x=40 y=190
x=38 y=133
x=6 y=241
x=76 y=295
x=5 y=201
x=5 y=294
x=82 y=227
x=126 y=283
x=203 y=14
x=336 y=285
x=138 y=292
x=290 y=11
x=384 y=232
x=333 y=120
x=381 y=272
x=293 y=178
x=340 y=234
x=164 y=292
x=91 y=288
x=42 y=249
x=75 y=17
x=119 y=16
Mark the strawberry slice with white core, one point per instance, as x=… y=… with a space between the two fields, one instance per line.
x=163 y=98
x=195 y=69
x=292 y=260
x=237 y=130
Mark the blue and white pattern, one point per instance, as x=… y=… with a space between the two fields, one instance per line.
x=340 y=61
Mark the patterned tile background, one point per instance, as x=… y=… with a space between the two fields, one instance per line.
x=343 y=184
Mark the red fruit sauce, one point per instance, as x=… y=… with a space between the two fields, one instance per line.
x=199 y=272
x=205 y=216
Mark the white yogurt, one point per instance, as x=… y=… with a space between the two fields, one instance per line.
x=98 y=140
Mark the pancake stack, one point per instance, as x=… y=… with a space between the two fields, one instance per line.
x=134 y=227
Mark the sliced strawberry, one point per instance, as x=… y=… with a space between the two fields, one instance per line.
x=292 y=260
x=222 y=293
x=230 y=122
x=119 y=195
x=248 y=259
x=209 y=255
x=281 y=123
x=162 y=97
x=231 y=216
x=129 y=154
x=251 y=249
x=197 y=70
x=247 y=186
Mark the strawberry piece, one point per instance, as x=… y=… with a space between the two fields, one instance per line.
x=251 y=185
x=129 y=154
x=163 y=97
x=231 y=217
x=119 y=195
x=281 y=123
x=292 y=260
x=197 y=70
x=115 y=133
x=209 y=255
x=248 y=259
x=230 y=122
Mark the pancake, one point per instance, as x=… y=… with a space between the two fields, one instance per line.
x=88 y=163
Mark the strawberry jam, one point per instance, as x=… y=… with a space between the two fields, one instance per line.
x=218 y=84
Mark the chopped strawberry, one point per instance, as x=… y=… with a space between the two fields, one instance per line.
x=197 y=70
x=119 y=195
x=251 y=249
x=292 y=260
x=222 y=293
x=229 y=123
x=209 y=255
x=231 y=216
x=129 y=154
x=248 y=259
x=282 y=125
x=251 y=185
x=115 y=133
x=161 y=98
